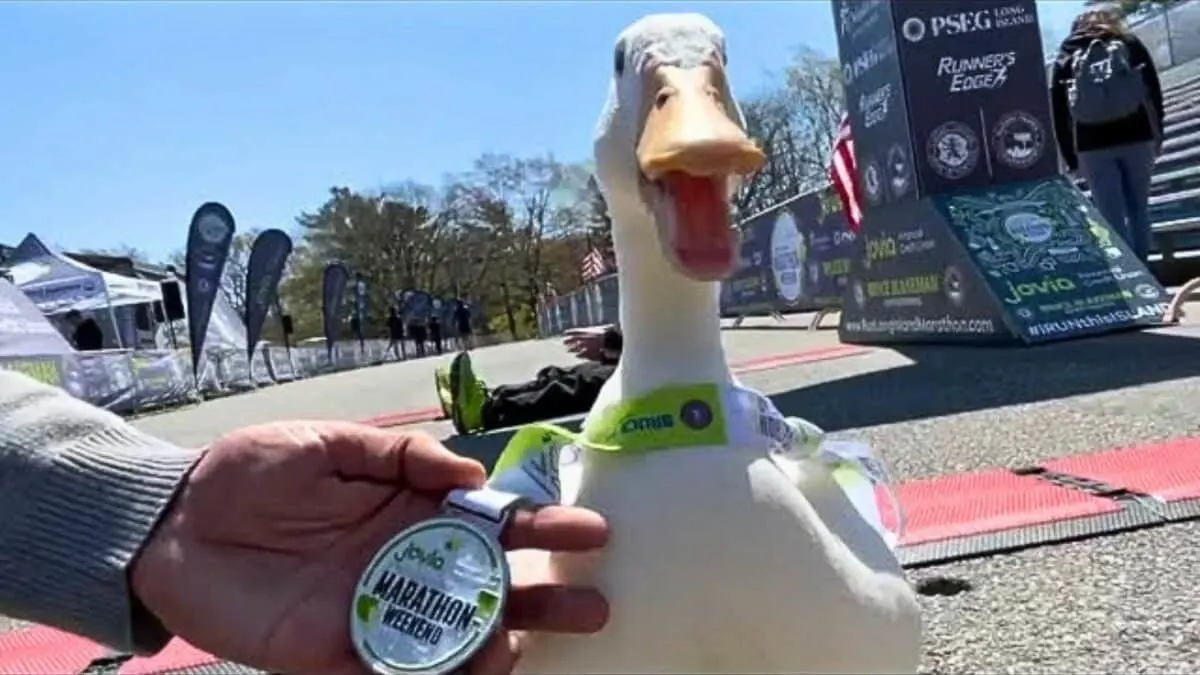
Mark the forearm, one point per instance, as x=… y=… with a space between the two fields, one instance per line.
x=80 y=491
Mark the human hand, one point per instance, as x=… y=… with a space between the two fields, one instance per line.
x=586 y=343
x=257 y=559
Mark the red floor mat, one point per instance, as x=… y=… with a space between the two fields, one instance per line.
x=1170 y=471
x=37 y=651
x=178 y=655
x=963 y=505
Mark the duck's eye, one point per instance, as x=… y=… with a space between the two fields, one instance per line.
x=619 y=60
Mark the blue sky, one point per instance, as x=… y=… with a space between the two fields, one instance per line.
x=118 y=119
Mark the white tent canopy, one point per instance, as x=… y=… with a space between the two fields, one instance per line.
x=58 y=284
x=226 y=330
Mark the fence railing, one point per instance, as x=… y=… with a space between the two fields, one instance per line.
x=793 y=257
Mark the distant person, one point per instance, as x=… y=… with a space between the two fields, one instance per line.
x=435 y=333
x=85 y=332
x=462 y=322
x=417 y=333
x=395 y=326
x=1108 y=119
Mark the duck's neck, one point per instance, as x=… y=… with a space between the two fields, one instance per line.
x=671 y=324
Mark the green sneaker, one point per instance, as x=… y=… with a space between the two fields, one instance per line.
x=441 y=382
x=468 y=394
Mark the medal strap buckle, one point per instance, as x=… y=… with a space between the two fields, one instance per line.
x=487 y=508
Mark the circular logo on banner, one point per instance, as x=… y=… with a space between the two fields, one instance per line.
x=872 y=183
x=787 y=256
x=1028 y=228
x=860 y=296
x=430 y=599
x=1018 y=140
x=1146 y=291
x=913 y=29
x=900 y=169
x=953 y=150
x=1025 y=312
x=954 y=285
x=212 y=229
x=696 y=414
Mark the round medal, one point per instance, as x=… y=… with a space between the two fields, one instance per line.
x=429 y=599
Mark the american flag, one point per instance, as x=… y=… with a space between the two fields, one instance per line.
x=843 y=172
x=593 y=265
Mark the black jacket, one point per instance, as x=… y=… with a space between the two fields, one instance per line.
x=1075 y=138
x=613 y=341
x=395 y=327
x=87 y=336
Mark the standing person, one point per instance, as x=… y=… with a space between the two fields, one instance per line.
x=395 y=326
x=86 y=334
x=435 y=331
x=416 y=332
x=1108 y=119
x=462 y=321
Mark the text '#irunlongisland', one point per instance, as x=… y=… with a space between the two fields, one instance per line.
x=420 y=611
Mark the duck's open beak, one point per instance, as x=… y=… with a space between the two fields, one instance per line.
x=691 y=148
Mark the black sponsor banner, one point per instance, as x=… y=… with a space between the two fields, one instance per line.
x=1022 y=263
x=876 y=101
x=264 y=269
x=332 y=291
x=832 y=247
x=209 y=238
x=982 y=62
x=912 y=282
x=792 y=258
x=1056 y=268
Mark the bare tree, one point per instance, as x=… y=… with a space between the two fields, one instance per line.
x=796 y=123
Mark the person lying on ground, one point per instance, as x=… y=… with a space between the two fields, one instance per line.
x=553 y=392
x=127 y=540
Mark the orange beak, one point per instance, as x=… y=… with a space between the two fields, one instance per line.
x=690 y=147
x=688 y=130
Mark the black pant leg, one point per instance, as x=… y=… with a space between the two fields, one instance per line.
x=557 y=392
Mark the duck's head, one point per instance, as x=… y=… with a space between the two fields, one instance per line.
x=671 y=144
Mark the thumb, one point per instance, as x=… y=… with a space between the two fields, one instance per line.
x=412 y=459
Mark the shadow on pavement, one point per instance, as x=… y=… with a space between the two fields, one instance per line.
x=949 y=380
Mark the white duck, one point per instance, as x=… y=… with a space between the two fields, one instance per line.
x=719 y=562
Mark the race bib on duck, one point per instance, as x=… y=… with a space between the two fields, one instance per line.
x=542 y=462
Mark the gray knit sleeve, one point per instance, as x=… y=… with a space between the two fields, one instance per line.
x=80 y=491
